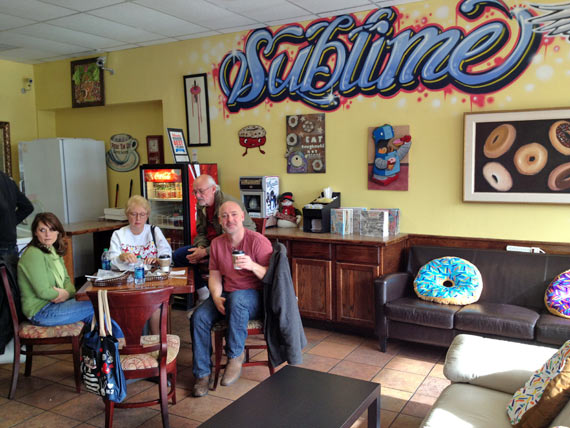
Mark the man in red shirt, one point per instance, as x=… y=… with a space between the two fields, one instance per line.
x=209 y=199
x=236 y=295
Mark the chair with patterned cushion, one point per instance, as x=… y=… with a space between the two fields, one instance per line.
x=31 y=335
x=143 y=356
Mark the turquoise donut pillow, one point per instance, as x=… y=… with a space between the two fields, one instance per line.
x=449 y=280
x=557 y=296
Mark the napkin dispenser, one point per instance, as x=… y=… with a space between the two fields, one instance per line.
x=317 y=215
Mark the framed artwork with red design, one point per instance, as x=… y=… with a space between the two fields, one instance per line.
x=155 y=149
x=197 y=110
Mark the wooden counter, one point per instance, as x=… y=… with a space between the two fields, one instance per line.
x=334 y=274
x=101 y=230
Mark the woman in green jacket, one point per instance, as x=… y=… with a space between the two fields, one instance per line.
x=47 y=294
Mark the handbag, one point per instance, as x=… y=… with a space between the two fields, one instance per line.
x=101 y=370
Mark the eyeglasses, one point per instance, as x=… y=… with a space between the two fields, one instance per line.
x=138 y=215
x=201 y=191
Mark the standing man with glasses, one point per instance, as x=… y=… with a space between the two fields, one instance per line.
x=210 y=198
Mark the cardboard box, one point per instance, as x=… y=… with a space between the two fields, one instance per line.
x=374 y=223
x=341 y=221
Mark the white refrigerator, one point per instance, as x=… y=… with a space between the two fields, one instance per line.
x=66 y=176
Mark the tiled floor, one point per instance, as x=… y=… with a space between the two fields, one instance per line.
x=410 y=374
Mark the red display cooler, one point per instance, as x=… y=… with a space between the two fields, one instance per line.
x=168 y=188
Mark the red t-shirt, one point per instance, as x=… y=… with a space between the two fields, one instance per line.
x=254 y=245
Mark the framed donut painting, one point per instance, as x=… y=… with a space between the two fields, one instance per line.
x=517 y=156
x=306 y=144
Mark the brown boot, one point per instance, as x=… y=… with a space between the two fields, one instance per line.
x=233 y=370
x=201 y=386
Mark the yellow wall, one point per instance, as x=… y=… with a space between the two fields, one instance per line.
x=433 y=203
x=16 y=108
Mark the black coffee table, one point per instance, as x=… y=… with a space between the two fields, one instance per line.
x=297 y=397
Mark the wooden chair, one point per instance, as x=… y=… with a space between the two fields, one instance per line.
x=260 y=224
x=143 y=356
x=30 y=335
x=220 y=330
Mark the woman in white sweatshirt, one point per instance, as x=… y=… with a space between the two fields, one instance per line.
x=137 y=238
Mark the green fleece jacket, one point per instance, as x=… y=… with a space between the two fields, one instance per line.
x=201 y=240
x=37 y=281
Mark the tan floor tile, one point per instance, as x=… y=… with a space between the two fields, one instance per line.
x=153 y=394
x=56 y=371
x=49 y=397
x=393 y=399
x=201 y=409
x=126 y=418
x=406 y=421
x=184 y=358
x=345 y=339
x=39 y=362
x=419 y=405
x=48 y=419
x=410 y=365
x=173 y=420
x=366 y=354
x=15 y=412
x=433 y=386
x=316 y=334
x=332 y=350
x=185 y=379
x=399 y=380
x=355 y=370
x=437 y=371
x=387 y=417
x=316 y=362
x=236 y=390
x=82 y=408
x=256 y=373
x=26 y=385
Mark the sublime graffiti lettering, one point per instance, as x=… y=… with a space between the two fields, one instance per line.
x=340 y=58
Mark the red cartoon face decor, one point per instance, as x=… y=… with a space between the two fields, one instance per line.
x=252 y=136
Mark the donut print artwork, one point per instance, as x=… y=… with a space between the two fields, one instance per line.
x=530 y=158
x=305 y=143
x=559 y=178
x=559 y=135
x=498 y=176
x=499 y=141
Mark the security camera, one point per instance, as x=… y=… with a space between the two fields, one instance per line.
x=101 y=62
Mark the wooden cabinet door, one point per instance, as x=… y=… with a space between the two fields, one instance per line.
x=313 y=287
x=355 y=293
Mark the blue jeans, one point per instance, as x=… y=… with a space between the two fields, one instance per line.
x=180 y=260
x=241 y=306
x=69 y=312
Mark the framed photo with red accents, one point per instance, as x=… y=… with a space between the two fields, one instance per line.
x=517 y=156
x=155 y=149
x=197 y=110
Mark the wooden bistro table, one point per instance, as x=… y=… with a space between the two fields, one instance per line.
x=182 y=285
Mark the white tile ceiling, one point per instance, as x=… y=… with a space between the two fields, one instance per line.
x=35 y=31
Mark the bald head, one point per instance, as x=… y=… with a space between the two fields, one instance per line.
x=231 y=217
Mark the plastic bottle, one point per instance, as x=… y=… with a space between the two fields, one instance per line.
x=139 y=271
x=105 y=260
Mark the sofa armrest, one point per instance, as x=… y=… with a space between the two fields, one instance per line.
x=391 y=287
x=497 y=364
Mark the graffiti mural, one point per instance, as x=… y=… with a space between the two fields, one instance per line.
x=339 y=58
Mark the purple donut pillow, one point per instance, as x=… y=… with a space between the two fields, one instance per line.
x=557 y=296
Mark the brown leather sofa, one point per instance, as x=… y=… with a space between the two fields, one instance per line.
x=511 y=305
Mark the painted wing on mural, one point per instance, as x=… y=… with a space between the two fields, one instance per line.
x=554 y=23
